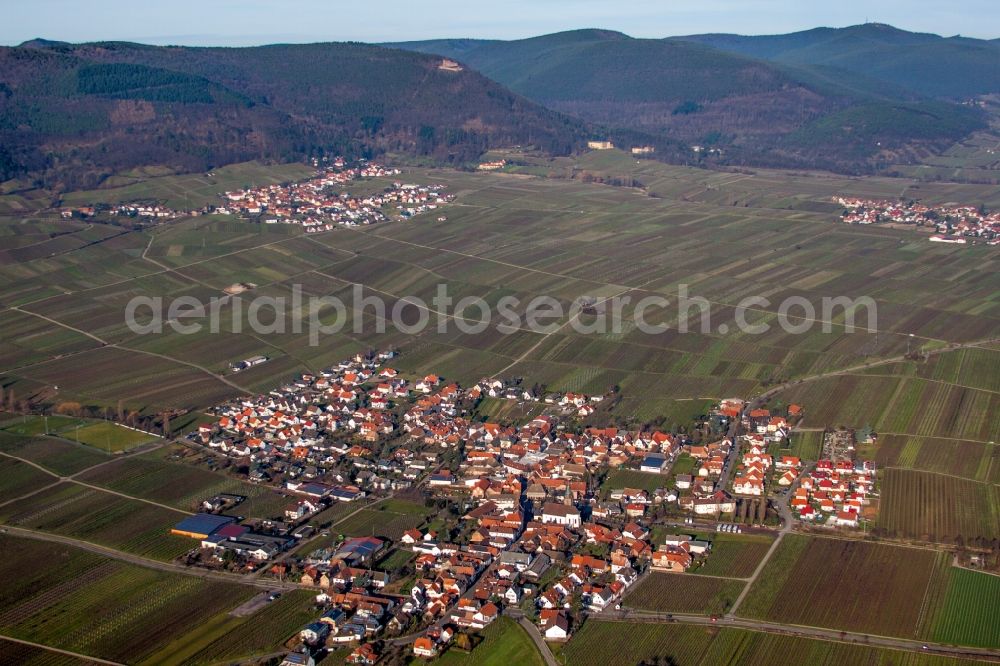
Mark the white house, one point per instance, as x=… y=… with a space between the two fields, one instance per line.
x=557 y=629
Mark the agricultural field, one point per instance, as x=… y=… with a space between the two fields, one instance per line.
x=332 y=514
x=683 y=593
x=504 y=643
x=805 y=445
x=968 y=614
x=937 y=507
x=75 y=600
x=395 y=560
x=975 y=367
x=897 y=404
x=187 y=191
x=12 y=652
x=113 y=373
x=56 y=455
x=735 y=555
x=224 y=638
x=973 y=159
x=683 y=464
x=109 y=437
x=154 y=477
x=31 y=426
x=524 y=236
x=109 y=520
x=390 y=519
x=843 y=584
x=633 y=478
x=507 y=411
x=977 y=461
x=18 y=478
x=600 y=642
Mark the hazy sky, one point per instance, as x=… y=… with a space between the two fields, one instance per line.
x=243 y=22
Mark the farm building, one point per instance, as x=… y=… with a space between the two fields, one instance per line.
x=359 y=550
x=200 y=525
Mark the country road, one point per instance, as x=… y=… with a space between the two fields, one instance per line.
x=66 y=653
x=72 y=479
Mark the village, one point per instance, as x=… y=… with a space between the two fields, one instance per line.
x=953 y=224
x=319 y=204
x=549 y=520
x=316 y=204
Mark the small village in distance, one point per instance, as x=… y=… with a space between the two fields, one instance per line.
x=950 y=223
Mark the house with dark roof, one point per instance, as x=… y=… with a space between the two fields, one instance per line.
x=201 y=525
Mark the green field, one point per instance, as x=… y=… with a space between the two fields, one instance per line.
x=504 y=643
x=395 y=560
x=223 y=638
x=39 y=425
x=599 y=643
x=109 y=520
x=389 y=519
x=73 y=599
x=968 y=615
x=683 y=464
x=977 y=461
x=683 y=593
x=631 y=478
x=899 y=405
x=109 y=437
x=803 y=445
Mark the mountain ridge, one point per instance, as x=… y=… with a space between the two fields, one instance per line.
x=753 y=110
x=926 y=63
x=197 y=107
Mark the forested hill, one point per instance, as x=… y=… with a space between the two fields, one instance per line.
x=924 y=63
x=71 y=114
x=754 y=110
